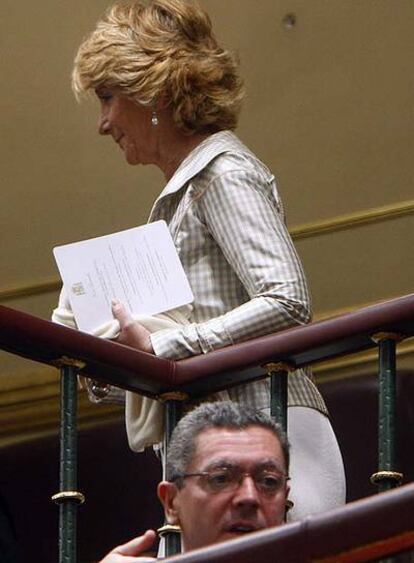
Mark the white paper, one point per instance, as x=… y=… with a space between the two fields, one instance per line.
x=139 y=266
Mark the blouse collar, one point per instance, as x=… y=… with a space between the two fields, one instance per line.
x=199 y=158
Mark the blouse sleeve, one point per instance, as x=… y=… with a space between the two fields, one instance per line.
x=242 y=213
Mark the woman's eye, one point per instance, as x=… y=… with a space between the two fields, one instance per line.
x=104 y=95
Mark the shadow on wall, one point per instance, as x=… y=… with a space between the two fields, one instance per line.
x=119 y=486
x=9 y=547
x=353 y=405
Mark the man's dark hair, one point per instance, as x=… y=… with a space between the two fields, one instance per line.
x=221 y=414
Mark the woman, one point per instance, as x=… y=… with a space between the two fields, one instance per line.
x=170 y=96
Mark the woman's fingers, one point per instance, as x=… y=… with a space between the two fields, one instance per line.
x=121 y=314
x=131 y=332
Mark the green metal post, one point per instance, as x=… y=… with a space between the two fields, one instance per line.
x=278 y=392
x=173 y=411
x=68 y=498
x=278 y=374
x=386 y=414
x=387 y=477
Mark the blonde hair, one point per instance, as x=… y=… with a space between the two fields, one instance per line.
x=163 y=50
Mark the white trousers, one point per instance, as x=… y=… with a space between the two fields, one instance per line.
x=316 y=468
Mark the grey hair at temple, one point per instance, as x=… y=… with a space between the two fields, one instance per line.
x=221 y=414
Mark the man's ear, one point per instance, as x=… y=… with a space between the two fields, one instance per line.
x=288 y=503
x=167 y=493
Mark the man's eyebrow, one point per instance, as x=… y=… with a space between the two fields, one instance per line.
x=223 y=462
x=266 y=463
x=271 y=463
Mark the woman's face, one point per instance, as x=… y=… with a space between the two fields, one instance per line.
x=129 y=125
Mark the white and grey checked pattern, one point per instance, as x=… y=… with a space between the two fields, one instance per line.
x=227 y=222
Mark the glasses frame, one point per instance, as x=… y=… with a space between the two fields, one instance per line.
x=237 y=482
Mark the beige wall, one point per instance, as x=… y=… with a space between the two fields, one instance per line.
x=329 y=109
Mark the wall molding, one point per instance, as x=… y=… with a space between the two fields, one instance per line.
x=366 y=362
x=306 y=230
x=27 y=290
x=31 y=412
x=353 y=220
x=333 y=313
x=38 y=417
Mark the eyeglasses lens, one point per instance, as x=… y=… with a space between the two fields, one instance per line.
x=228 y=479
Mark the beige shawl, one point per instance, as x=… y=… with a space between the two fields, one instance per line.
x=144 y=417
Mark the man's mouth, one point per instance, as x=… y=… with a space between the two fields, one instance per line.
x=242 y=528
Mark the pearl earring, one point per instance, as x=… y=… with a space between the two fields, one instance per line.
x=154 y=119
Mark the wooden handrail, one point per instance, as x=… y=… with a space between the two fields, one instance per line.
x=44 y=341
x=365 y=530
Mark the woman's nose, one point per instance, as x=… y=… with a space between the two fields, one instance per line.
x=103 y=125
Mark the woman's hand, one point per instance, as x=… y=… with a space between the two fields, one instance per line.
x=127 y=553
x=132 y=333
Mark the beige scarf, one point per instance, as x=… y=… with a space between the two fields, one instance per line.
x=144 y=417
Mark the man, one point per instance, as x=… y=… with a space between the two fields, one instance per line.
x=226 y=476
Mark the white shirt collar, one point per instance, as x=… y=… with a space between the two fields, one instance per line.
x=203 y=154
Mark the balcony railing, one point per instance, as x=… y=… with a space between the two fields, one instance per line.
x=365 y=530
x=274 y=356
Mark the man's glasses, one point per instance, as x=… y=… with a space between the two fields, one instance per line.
x=227 y=479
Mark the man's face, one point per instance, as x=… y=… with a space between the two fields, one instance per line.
x=207 y=516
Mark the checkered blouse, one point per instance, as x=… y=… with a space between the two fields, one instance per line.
x=227 y=221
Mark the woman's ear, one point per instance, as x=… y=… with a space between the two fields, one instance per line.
x=167 y=493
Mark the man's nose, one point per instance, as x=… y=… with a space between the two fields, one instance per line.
x=246 y=493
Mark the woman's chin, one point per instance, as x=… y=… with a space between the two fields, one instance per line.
x=131 y=159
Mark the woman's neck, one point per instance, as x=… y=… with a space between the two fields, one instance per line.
x=180 y=153
x=173 y=145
